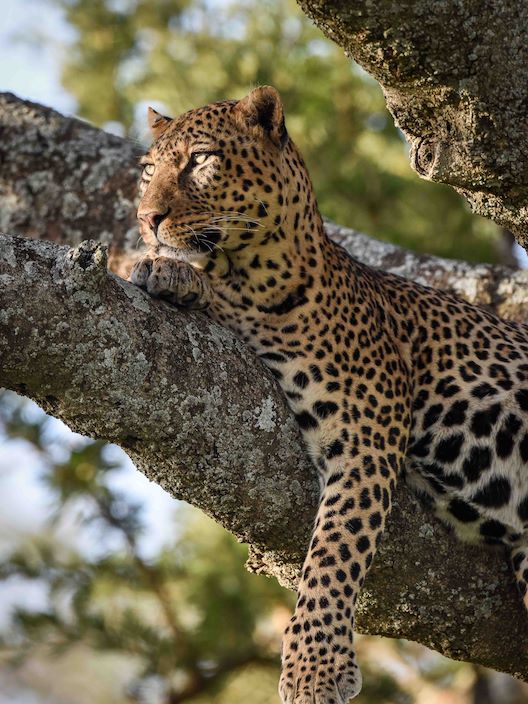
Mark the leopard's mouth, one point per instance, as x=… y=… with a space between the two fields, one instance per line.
x=194 y=248
x=179 y=253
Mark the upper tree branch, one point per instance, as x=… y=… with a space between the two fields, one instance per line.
x=63 y=180
x=454 y=77
x=197 y=412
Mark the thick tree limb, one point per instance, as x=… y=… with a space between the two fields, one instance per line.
x=200 y=416
x=454 y=77
x=63 y=180
x=192 y=406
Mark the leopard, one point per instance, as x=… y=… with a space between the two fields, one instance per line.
x=388 y=380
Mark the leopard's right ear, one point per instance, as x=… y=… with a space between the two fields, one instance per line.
x=262 y=111
x=157 y=123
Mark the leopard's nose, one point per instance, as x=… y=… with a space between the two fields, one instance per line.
x=154 y=219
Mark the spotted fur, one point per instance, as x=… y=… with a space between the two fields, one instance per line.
x=386 y=378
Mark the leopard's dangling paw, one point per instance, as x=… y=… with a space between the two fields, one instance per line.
x=318 y=663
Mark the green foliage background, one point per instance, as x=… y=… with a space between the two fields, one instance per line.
x=186 y=622
x=180 y=54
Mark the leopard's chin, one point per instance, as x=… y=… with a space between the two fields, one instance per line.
x=173 y=252
x=183 y=254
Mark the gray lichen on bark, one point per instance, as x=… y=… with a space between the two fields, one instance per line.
x=454 y=76
x=111 y=362
x=63 y=180
x=200 y=415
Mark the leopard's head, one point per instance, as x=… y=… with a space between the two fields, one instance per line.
x=215 y=178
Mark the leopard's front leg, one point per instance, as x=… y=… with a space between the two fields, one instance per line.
x=318 y=659
x=175 y=281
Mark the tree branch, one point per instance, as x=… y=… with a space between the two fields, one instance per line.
x=454 y=77
x=196 y=411
x=202 y=417
x=62 y=180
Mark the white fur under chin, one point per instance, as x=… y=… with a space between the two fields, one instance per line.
x=190 y=256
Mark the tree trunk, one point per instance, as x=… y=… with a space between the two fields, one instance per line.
x=194 y=409
x=454 y=76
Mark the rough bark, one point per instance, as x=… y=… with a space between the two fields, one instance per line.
x=65 y=181
x=454 y=77
x=203 y=418
x=195 y=410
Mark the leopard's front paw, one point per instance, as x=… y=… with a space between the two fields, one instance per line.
x=173 y=280
x=318 y=662
x=141 y=271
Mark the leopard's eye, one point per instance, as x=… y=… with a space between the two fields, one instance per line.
x=148 y=169
x=199 y=158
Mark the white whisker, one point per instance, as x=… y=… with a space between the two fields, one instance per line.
x=262 y=204
x=248 y=222
x=255 y=223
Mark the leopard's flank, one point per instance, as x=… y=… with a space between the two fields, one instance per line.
x=386 y=378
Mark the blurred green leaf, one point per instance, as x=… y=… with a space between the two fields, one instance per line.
x=181 y=54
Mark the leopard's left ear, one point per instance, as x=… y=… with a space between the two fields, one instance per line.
x=262 y=109
x=157 y=123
